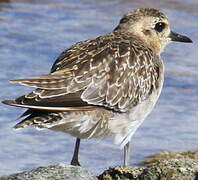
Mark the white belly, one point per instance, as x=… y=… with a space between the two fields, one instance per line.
x=102 y=123
x=123 y=126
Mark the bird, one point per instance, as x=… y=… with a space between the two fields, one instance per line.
x=104 y=86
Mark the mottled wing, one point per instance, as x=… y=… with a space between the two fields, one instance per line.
x=129 y=75
x=108 y=71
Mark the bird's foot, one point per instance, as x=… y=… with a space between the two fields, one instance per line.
x=75 y=162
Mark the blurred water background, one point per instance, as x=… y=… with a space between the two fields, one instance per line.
x=33 y=33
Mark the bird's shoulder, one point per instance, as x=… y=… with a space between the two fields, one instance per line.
x=107 y=46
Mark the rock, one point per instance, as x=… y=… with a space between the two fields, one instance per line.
x=172 y=169
x=162 y=166
x=121 y=173
x=170 y=155
x=54 y=172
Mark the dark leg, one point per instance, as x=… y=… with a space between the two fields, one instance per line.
x=74 y=160
x=126 y=154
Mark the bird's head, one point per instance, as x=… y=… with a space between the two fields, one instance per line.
x=150 y=25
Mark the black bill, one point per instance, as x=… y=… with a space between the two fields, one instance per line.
x=180 y=38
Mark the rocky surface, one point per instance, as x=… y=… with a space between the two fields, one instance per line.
x=172 y=169
x=54 y=172
x=163 y=166
x=170 y=155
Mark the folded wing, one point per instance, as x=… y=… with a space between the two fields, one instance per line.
x=114 y=73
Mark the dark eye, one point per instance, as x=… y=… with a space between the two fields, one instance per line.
x=160 y=26
x=123 y=20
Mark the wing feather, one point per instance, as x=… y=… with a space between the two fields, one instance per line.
x=48 y=108
x=112 y=71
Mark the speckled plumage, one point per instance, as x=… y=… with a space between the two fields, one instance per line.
x=103 y=87
x=116 y=71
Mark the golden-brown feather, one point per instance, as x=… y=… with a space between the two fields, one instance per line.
x=115 y=71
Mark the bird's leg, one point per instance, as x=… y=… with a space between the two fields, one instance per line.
x=126 y=153
x=74 y=160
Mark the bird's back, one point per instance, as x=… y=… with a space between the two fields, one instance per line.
x=112 y=74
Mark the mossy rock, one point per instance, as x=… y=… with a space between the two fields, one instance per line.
x=170 y=155
x=172 y=169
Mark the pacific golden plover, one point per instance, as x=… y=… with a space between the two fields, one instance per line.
x=102 y=87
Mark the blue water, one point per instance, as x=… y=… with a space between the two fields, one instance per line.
x=33 y=33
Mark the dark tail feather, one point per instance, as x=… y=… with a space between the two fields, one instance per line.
x=27 y=112
x=29 y=120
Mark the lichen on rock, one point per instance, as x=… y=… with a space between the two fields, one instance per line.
x=170 y=155
x=172 y=169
